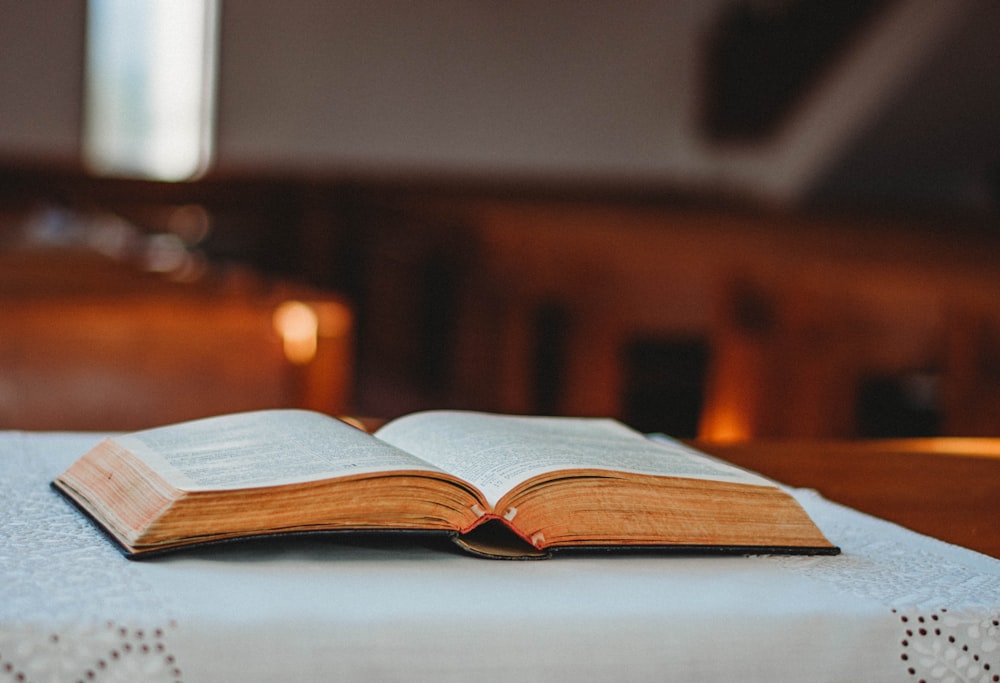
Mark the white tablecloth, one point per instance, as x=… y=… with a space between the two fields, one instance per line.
x=895 y=606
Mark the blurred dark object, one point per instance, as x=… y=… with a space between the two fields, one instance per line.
x=903 y=405
x=665 y=384
x=764 y=56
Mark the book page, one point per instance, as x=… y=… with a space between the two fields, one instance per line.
x=263 y=448
x=497 y=452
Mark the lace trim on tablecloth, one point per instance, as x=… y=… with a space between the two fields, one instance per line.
x=942 y=637
x=57 y=568
x=883 y=562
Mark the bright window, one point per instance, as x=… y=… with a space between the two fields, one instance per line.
x=149 y=96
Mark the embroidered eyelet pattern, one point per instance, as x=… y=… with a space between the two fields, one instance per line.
x=942 y=635
x=105 y=653
x=58 y=569
x=950 y=647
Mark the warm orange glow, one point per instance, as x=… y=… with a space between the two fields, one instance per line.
x=301 y=325
x=298 y=325
x=726 y=423
x=333 y=319
x=984 y=447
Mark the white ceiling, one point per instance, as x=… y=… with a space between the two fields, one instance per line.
x=566 y=89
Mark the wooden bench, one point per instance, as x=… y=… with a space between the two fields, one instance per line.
x=87 y=345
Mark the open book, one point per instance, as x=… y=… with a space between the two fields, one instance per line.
x=502 y=486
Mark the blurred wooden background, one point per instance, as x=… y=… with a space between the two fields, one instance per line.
x=718 y=321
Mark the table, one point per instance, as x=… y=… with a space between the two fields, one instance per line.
x=894 y=606
x=948 y=488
